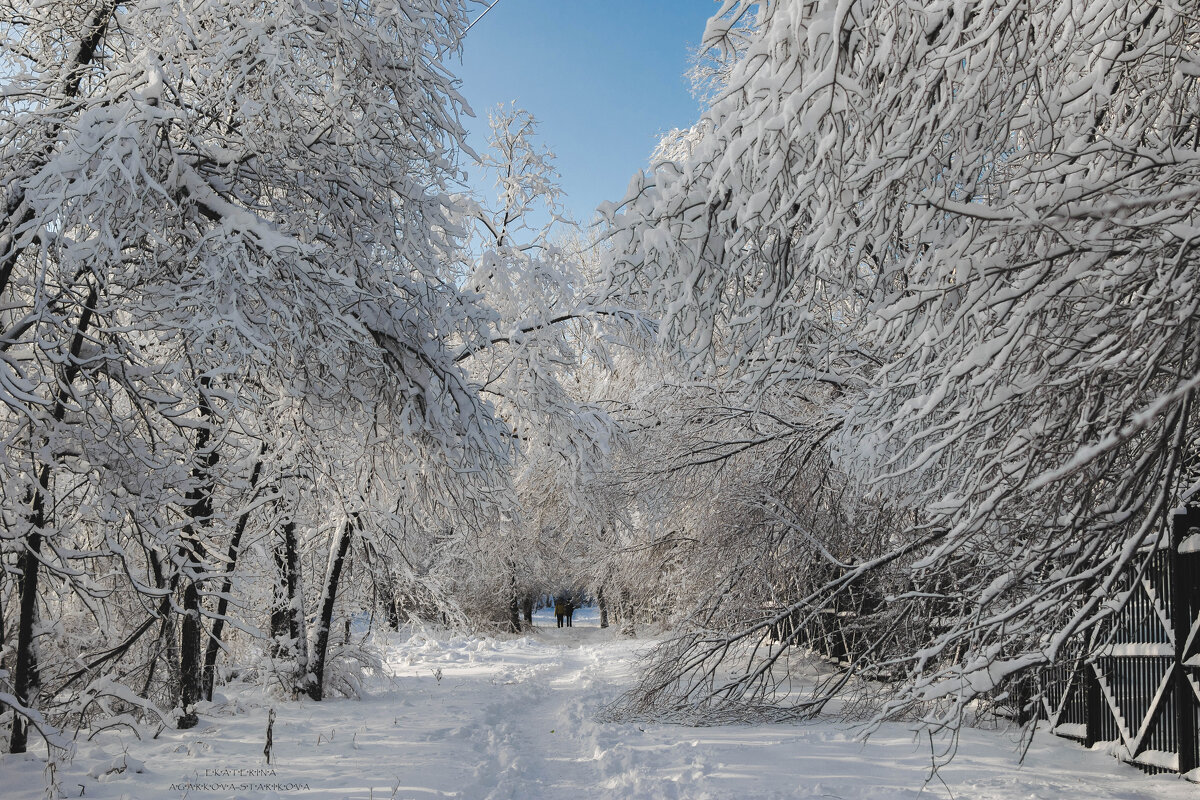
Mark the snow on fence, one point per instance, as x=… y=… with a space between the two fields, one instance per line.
x=1136 y=685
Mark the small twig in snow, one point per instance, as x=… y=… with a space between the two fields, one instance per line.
x=270 y=735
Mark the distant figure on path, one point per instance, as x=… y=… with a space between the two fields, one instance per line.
x=570 y=609
x=560 y=610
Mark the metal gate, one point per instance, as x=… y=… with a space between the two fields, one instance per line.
x=1139 y=691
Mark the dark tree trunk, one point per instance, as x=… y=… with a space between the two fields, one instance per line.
x=25 y=677
x=295 y=593
x=189 y=656
x=393 y=608
x=603 y=608
x=166 y=631
x=281 y=600
x=191 y=552
x=527 y=608
x=625 y=613
x=4 y=630
x=514 y=602
x=235 y=544
x=287 y=615
x=382 y=589
x=316 y=688
x=514 y=614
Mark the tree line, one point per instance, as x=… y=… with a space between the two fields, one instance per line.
x=931 y=273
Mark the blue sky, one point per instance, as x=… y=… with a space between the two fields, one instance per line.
x=604 y=78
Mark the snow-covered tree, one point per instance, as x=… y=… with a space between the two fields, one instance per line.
x=529 y=269
x=973 y=224
x=214 y=212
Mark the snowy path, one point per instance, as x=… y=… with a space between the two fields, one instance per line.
x=484 y=719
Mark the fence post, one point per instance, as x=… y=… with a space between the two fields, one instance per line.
x=1182 y=610
x=1095 y=703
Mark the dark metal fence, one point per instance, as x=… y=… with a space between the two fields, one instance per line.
x=1133 y=685
x=1139 y=689
x=838 y=632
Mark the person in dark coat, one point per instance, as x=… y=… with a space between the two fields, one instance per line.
x=570 y=610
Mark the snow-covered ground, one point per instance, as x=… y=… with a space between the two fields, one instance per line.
x=476 y=718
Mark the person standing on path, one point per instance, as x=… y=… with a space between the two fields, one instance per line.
x=570 y=611
x=560 y=610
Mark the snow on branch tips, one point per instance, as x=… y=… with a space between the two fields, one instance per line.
x=982 y=222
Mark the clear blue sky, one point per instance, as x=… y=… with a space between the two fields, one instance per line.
x=604 y=78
